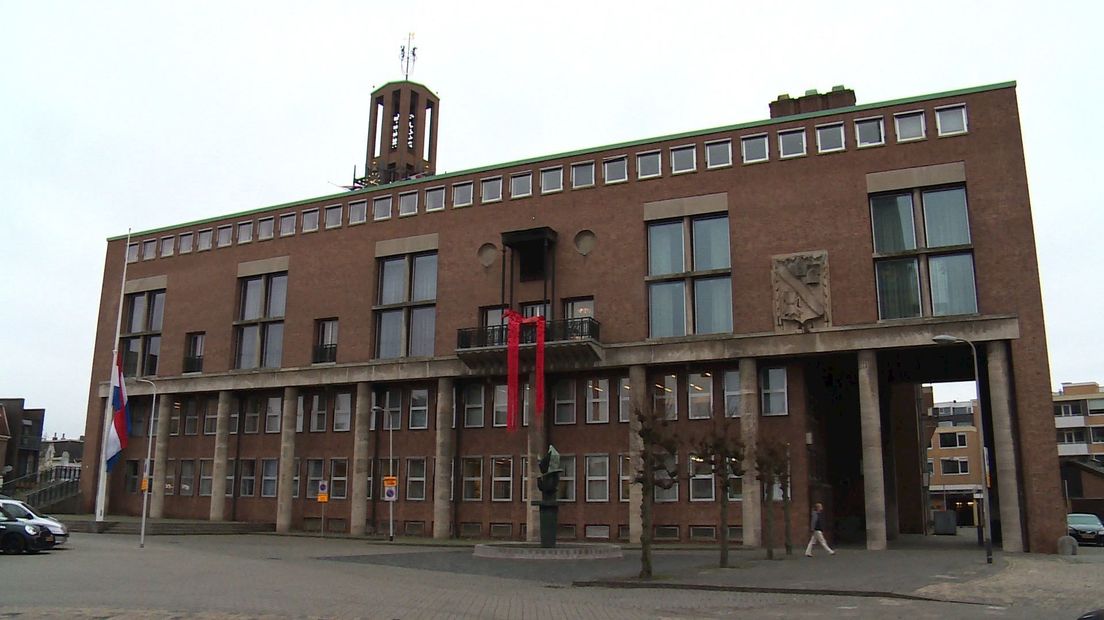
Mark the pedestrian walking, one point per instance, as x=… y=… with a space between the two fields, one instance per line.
x=817 y=527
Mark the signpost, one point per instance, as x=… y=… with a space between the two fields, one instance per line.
x=390 y=488
x=323 y=498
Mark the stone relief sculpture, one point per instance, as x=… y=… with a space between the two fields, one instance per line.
x=802 y=296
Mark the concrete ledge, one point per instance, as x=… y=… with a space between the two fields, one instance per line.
x=627 y=584
x=562 y=551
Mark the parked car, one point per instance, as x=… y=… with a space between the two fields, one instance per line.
x=1086 y=528
x=24 y=512
x=18 y=536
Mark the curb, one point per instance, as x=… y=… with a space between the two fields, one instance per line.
x=765 y=590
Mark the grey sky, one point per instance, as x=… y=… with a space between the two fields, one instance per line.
x=141 y=115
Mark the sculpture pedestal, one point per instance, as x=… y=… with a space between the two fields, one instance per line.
x=549 y=521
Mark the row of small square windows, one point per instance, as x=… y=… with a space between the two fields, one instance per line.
x=830 y=138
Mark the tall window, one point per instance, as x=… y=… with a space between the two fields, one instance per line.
x=732 y=393
x=665 y=397
x=406 y=309
x=689 y=277
x=269 y=470
x=193 y=351
x=597 y=478
x=773 y=391
x=473 y=405
x=419 y=409
x=314 y=476
x=564 y=402
x=923 y=257
x=472 y=470
x=502 y=478
x=701 y=479
x=597 y=401
x=343 y=411
x=325 y=341
x=498 y=417
x=566 y=489
x=699 y=392
x=416 y=479
x=259 y=330
x=339 y=478
x=273 y=412
x=140 y=340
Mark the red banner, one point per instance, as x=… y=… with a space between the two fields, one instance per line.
x=513 y=342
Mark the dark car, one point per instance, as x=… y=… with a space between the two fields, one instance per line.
x=1086 y=528
x=19 y=537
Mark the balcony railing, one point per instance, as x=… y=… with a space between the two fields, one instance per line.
x=554 y=331
x=324 y=353
x=193 y=363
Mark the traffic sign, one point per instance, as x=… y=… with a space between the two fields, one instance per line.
x=390 y=481
x=323 y=498
x=390 y=494
x=323 y=487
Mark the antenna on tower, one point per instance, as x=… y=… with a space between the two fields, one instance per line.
x=407 y=55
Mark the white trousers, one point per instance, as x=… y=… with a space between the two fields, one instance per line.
x=817 y=537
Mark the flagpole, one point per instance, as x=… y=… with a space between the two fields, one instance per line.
x=101 y=482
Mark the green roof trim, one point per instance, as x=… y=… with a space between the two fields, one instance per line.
x=367 y=192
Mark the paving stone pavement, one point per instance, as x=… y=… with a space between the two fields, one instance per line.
x=259 y=576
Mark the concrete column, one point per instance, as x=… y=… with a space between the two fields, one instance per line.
x=358 y=511
x=751 y=502
x=160 y=456
x=444 y=451
x=222 y=445
x=286 y=476
x=873 y=477
x=537 y=447
x=638 y=389
x=1008 y=486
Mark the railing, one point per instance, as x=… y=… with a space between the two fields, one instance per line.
x=39 y=480
x=555 y=331
x=324 y=353
x=193 y=363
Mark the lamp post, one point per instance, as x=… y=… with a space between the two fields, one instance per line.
x=146 y=473
x=385 y=418
x=984 y=522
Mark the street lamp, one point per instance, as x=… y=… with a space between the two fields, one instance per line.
x=984 y=522
x=146 y=474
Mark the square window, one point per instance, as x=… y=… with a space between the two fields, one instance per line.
x=381 y=208
x=648 y=165
x=910 y=126
x=615 y=170
x=333 y=216
x=718 y=154
x=461 y=195
x=287 y=225
x=951 y=120
x=435 y=199
x=225 y=236
x=265 y=228
x=582 y=175
x=185 y=243
x=167 y=246
x=132 y=252
x=829 y=138
x=245 y=232
x=490 y=190
x=310 y=220
x=755 y=148
x=203 y=241
x=791 y=143
x=149 y=249
x=869 y=132
x=684 y=159
x=551 y=180
x=952 y=284
x=946 y=221
x=893 y=223
x=408 y=204
x=898 y=288
x=521 y=185
x=358 y=212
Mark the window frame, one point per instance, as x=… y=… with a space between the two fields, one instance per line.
x=608 y=163
x=709 y=165
x=404 y=200
x=605 y=478
x=782 y=133
x=602 y=400
x=842 y=137
x=765 y=391
x=859 y=144
x=186 y=243
x=167 y=251
x=377 y=203
x=939 y=122
x=339 y=209
x=559 y=175
x=640 y=176
x=314 y=214
x=412 y=480
x=358 y=212
x=287 y=224
x=557 y=401
x=497 y=481
x=528 y=174
x=205 y=239
x=486 y=182
x=470 y=185
x=244 y=232
x=581 y=165
x=671 y=157
x=897 y=116
x=262 y=223
x=434 y=190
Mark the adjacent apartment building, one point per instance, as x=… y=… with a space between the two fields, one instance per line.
x=954 y=460
x=785 y=275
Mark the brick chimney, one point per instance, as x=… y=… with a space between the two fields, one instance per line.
x=812 y=101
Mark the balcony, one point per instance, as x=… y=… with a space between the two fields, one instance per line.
x=568 y=344
x=1070 y=421
x=1073 y=449
x=193 y=363
x=324 y=354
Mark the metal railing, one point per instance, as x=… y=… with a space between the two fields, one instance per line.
x=29 y=484
x=193 y=363
x=554 y=331
x=324 y=353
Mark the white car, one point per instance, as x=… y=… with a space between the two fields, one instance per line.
x=25 y=513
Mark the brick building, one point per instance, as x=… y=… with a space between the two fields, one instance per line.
x=788 y=272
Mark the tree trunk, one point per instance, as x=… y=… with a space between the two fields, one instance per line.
x=647 y=497
x=768 y=512
x=724 y=524
x=786 y=518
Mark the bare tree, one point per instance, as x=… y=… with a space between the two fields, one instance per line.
x=773 y=462
x=657 y=469
x=723 y=452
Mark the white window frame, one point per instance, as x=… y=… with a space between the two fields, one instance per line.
x=210 y=240
x=508 y=479
x=659 y=164
x=326 y=216
x=523 y=472
x=881 y=130
x=607 y=162
x=274 y=479
x=167 y=251
x=346 y=416
x=412 y=479
x=707 y=376
x=668 y=394
x=605 y=478
x=625 y=474
x=743 y=147
x=569 y=477
x=134 y=252
x=271 y=426
x=674 y=490
x=709 y=165
x=242 y=478
x=958 y=459
x=842 y=136
x=190 y=237
x=317 y=417
x=480 y=406
x=763 y=391
x=732 y=391
x=559 y=175
x=317 y=220
x=444 y=198
x=1092 y=434
x=464 y=478
x=471 y=194
x=593 y=174
x=624 y=399
x=410 y=422
x=965 y=120
x=693 y=148
x=381 y=200
x=280 y=224
x=358 y=205
x=804 y=143
x=923 y=125
x=483 y=184
x=153 y=244
x=599 y=403
x=518 y=176
x=499 y=405
x=243 y=239
x=335 y=478
x=692 y=476
x=556 y=402
x=408 y=195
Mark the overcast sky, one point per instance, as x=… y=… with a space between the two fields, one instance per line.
x=147 y=114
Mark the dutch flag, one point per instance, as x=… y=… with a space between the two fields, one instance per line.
x=120 y=414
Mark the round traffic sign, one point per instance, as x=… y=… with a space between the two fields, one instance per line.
x=390 y=494
x=323 y=487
